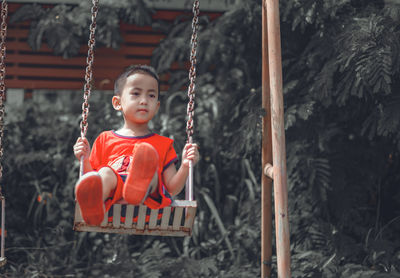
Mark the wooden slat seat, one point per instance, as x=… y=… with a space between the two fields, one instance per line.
x=176 y=220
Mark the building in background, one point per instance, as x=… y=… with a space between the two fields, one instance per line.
x=32 y=73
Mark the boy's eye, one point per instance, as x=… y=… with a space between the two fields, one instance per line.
x=135 y=93
x=152 y=95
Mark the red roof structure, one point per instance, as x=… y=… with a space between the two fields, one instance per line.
x=29 y=69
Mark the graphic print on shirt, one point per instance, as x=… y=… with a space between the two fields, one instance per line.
x=121 y=164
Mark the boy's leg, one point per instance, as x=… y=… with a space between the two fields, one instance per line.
x=91 y=190
x=89 y=195
x=109 y=181
x=142 y=176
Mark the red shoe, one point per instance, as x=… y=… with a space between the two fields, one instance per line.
x=89 y=194
x=140 y=174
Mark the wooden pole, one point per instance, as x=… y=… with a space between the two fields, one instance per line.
x=266 y=158
x=278 y=140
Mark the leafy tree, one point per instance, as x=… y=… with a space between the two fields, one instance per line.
x=341 y=81
x=342 y=119
x=65 y=27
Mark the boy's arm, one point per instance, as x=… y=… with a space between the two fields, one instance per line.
x=87 y=167
x=175 y=180
x=82 y=149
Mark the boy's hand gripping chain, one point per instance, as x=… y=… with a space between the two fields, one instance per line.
x=191 y=94
x=3 y=33
x=88 y=76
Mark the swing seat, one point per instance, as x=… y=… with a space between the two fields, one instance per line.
x=175 y=220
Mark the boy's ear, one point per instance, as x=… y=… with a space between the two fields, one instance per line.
x=116 y=102
x=158 y=106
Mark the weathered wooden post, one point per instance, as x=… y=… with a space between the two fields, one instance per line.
x=278 y=171
x=266 y=158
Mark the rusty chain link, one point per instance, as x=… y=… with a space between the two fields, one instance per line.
x=3 y=34
x=192 y=71
x=89 y=69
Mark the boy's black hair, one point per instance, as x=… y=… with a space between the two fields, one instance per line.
x=145 y=69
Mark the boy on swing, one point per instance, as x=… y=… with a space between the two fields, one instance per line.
x=132 y=164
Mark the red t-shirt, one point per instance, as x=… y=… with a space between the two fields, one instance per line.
x=114 y=150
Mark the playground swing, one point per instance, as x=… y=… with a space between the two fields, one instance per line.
x=3 y=33
x=175 y=220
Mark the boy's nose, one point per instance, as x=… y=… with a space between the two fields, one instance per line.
x=143 y=100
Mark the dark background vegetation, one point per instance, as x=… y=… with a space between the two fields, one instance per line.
x=341 y=62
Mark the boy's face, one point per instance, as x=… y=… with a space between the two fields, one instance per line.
x=139 y=98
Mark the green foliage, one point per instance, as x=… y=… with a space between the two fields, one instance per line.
x=40 y=177
x=341 y=90
x=350 y=76
x=342 y=116
x=65 y=28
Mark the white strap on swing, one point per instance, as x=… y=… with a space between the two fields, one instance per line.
x=189 y=181
x=3 y=259
x=191 y=94
x=3 y=30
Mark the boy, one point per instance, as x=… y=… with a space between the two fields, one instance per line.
x=132 y=163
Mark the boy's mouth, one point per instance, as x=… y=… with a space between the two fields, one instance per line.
x=142 y=110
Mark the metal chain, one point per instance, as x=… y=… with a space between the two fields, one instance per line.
x=192 y=71
x=3 y=34
x=89 y=69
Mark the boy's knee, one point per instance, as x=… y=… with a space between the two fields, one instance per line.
x=106 y=171
x=108 y=176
